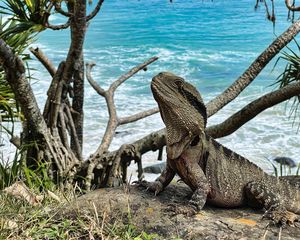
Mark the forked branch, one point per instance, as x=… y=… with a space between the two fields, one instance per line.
x=95 y=11
x=58 y=8
x=133 y=71
x=113 y=121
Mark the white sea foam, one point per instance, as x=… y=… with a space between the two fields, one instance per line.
x=269 y=134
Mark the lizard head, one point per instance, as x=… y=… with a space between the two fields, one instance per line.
x=182 y=110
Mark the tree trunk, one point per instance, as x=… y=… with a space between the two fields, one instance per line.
x=15 y=75
x=77 y=105
x=41 y=145
x=74 y=70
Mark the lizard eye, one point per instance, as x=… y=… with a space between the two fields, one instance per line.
x=195 y=141
x=179 y=83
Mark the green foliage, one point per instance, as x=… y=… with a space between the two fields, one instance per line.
x=130 y=232
x=16 y=37
x=9 y=172
x=38 y=178
x=146 y=236
x=28 y=15
x=35 y=178
x=290 y=74
x=9 y=109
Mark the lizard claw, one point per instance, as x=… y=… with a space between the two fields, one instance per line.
x=155 y=186
x=180 y=181
x=282 y=217
x=176 y=209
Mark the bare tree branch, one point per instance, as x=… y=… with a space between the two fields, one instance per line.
x=38 y=53
x=255 y=68
x=95 y=11
x=93 y=83
x=138 y=116
x=127 y=152
x=133 y=71
x=116 y=166
x=58 y=27
x=58 y=8
x=291 y=7
x=238 y=119
x=113 y=121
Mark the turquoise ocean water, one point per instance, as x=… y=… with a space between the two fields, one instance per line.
x=208 y=43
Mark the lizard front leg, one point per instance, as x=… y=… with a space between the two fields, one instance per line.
x=192 y=174
x=161 y=182
x=271 y=202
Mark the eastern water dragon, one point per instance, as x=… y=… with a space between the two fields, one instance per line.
x=215 y=174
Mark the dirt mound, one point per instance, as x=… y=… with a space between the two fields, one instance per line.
x=152 y=214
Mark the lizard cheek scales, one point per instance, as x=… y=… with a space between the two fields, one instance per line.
x=214 y=173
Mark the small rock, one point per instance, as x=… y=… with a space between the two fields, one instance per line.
x=21 y=191
x=156 y=168
x=121 y=133
x=285 y=161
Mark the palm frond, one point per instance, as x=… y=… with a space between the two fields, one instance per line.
x=290 y=74
x=27 y=15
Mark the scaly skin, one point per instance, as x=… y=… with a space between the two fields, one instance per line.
x=216 y=174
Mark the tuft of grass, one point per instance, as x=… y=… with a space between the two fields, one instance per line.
x=9 y=171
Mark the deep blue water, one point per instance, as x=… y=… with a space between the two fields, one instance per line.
x=208 y=43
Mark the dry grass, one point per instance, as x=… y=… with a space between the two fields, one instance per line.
x=20 y=220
